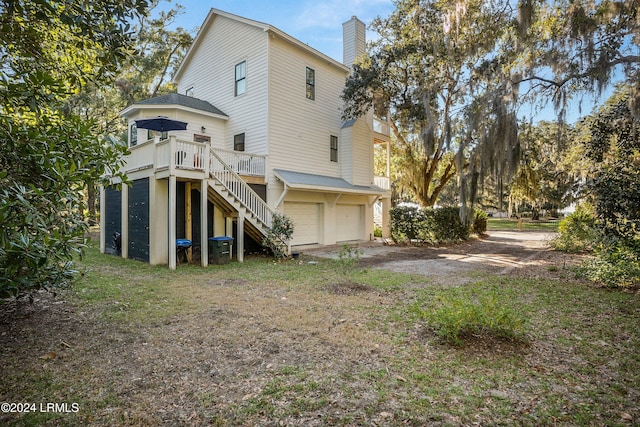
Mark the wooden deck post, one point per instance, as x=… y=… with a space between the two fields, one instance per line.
x=188 y=215
x=204 y=224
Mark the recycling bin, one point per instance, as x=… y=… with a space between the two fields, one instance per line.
x=220 y=249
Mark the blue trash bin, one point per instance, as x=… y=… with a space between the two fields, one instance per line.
x=182 y=250
x=220 y=249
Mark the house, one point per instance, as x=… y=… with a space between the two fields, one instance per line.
x=264 y=135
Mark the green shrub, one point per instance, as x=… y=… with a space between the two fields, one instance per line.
x=447 y=225
x=279 y=235
x=479 y=224
x=409 y=224
x=377 y=231
x=348 y=257
x=615 y=265
x=472 y=312
x=576 y=233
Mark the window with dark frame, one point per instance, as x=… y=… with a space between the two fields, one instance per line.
x=238 y=142
x=334 y=148
x=311 y=83
x=133 y=136
x=241 y=78
x=189 y=92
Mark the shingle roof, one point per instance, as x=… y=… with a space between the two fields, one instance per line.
x=308 y=181
x=183 y=100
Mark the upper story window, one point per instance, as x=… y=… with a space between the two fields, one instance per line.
x=238 y=142
x=334 y=149
x=133 y=135
x=311 y=83
x=241 y=78
x=189 y=92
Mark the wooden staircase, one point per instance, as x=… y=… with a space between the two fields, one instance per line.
x=234 y=196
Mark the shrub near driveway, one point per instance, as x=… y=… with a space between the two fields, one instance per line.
x=264 y=343
x=411 y=224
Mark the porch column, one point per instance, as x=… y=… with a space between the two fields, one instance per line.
x=240 y=236
x=124 y=219
x=389 y=160
x=103 y=221
x=172 y=222
x=188 y=215
x=386 y=218
x=204 y=225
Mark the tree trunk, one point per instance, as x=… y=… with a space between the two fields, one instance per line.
x=91 y=204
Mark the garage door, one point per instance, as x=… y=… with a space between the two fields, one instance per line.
x=349 y=222
x=306 y=217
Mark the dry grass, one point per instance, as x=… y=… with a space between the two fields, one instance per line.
x=294 y=343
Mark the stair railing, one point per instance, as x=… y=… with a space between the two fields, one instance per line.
x=236 y=186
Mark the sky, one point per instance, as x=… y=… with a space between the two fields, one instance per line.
x=317 y=23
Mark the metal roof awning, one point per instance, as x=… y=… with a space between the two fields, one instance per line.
x=328 y=184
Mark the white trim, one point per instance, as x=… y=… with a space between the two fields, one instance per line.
x=131 y=109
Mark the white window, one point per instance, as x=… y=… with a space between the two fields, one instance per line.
x=133 y=135
x=241 y=78
x=311 y=83
x=334 y=149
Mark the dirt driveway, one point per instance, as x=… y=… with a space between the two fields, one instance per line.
x=520 y=253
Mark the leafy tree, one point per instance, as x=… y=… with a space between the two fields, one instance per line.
x=571 y=47
x=161 y=50
x=143 y=75
x=51 y=51
x=544 y=179
x=452 y=76
x=612 y=146
x=432 y=69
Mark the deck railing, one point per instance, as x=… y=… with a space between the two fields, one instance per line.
x=230 y=179
x=192 y=156
x=382 y=182
x=243 y=163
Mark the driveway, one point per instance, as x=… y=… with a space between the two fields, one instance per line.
x=520 y=253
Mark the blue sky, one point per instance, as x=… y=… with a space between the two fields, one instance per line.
x=317 y=23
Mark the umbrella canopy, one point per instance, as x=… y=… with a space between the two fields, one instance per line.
x=161 y=124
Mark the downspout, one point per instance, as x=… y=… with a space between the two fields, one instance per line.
x=283 y=195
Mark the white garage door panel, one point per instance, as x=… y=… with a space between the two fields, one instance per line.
x=306 y=217
x=349 y=222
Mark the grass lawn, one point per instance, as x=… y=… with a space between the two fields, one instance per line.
x=300 y=343
x=506 y=224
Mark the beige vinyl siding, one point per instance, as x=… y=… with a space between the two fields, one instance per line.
x=299 y=128
x=345 y=153
x=211 y=72
x=362 y=149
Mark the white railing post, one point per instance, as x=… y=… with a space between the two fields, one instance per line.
x=172 y=156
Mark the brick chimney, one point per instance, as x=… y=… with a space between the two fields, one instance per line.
x=354 y=41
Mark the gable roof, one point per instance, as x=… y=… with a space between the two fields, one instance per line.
x=176 y=99
x=261 y=25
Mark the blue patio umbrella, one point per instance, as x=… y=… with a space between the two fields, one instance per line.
x=161 y=124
